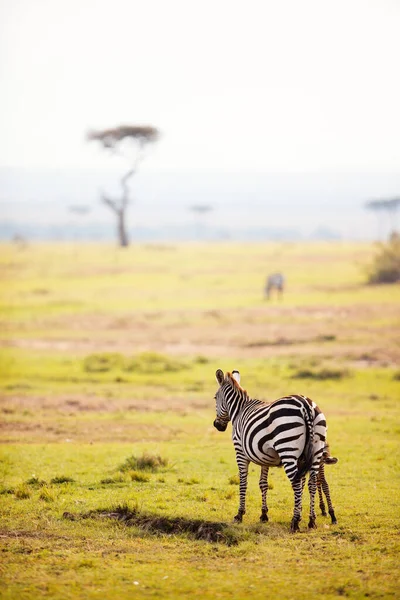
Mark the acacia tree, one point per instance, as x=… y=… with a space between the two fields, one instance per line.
x=128 y=141
x=388 y=206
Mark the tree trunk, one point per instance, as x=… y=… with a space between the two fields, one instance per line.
x=122 y=234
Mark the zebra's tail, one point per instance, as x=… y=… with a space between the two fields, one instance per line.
x=306 y=460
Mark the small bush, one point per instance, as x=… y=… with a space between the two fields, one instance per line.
x=234 y=480
x=102 y=362
x=146 y=462
x=385 y=267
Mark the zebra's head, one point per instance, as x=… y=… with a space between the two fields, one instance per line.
x=226 y=384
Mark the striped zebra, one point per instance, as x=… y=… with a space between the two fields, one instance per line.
x=274 y=281
x=323 y=487
x=290 y=432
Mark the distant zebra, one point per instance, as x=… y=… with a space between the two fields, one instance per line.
x=274 y=281
x=290 y=431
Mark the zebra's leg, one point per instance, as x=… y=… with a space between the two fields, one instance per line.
x=320 y=478
x=297 y=487
x=290 y=467
x=243 y=465
x=264 y=488
x=325 y=487
x=312 y=488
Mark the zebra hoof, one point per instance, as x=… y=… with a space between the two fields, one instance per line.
x=294 y=526
x=264 y=517
x=333 y=517
x=312 y=524
x=238 y=518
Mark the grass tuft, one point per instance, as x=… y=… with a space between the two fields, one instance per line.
x=22 y=492
x=321 y=374
x=46 y=495
x=62 y=479
x=138 y=476
x=102 y=362
x=35 y=481
x=145 y=462
x=153 y=362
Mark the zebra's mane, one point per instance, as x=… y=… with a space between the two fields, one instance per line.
x=236 y=384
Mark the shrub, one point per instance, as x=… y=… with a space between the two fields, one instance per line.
x=385 y=267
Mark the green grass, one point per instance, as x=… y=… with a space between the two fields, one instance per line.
x=113 y=481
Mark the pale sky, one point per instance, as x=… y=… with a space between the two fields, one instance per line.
x=269 y=85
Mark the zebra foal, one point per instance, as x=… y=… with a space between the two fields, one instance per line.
x=323 y=487
x=290 y=432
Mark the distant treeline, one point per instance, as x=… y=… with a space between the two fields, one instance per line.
x=186 y=232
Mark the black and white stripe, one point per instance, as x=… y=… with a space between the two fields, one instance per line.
x=290 y=432
x=274 y=281
x=323 y=487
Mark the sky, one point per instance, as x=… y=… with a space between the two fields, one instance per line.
x=232 y=85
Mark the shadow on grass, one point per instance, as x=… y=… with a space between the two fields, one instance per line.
x=198 y=529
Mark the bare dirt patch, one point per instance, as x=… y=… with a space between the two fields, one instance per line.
x=252 y=332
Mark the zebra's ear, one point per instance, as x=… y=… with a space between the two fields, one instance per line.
x=236 y=376
x=219 y=376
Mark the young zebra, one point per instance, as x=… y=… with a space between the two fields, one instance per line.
x=322 y=485
x=290 y=431
x=277 y=281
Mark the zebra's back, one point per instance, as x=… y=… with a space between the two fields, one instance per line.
x=268 y=433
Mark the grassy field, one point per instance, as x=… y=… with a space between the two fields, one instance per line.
x=114 y=483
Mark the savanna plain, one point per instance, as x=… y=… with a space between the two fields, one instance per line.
x=114 y=483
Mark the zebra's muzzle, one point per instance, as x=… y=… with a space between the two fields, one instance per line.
x=219 y=425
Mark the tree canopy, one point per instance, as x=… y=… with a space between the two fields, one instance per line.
x=109 y=138
x=113 y=139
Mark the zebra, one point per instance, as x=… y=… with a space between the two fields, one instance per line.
x=277 y=281
x=290 y=432
x=322 y=485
